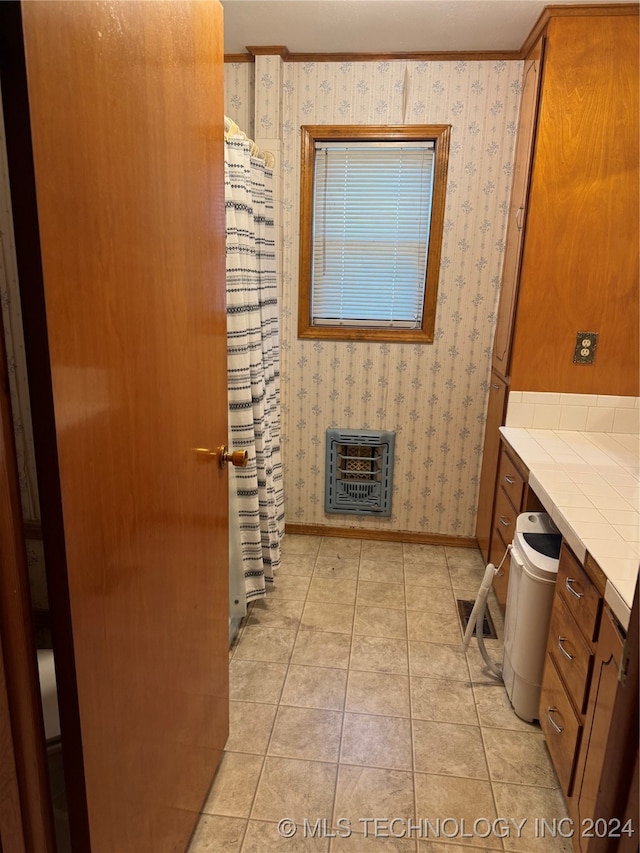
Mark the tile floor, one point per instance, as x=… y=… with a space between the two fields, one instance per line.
x=352 y=700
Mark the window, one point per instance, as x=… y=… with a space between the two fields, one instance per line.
x=372 y=210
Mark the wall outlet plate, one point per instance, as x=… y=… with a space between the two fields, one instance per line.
x=585 y=350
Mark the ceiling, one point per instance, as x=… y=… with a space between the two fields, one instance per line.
x=382 y=26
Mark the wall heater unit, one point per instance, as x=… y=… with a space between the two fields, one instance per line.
x=359 y=471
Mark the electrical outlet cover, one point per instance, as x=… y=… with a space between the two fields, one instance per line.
x=585 y=350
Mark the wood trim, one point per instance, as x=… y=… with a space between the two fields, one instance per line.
x=32 y=529
x=310 y=134
x=418 y=56
x=382 y=535
x=11 y=820
x=269 y=50
x=573 y=11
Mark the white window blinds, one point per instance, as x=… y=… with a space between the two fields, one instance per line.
x=371 y=218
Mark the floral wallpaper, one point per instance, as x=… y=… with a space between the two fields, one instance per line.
x=434 y=396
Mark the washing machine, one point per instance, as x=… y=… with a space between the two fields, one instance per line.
x=535 y=556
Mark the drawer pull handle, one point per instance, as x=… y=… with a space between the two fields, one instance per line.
x=504 y=521
x=573 y=592
x=495 y=386
x=561 y=640
x=509 y=479
x=551 y=711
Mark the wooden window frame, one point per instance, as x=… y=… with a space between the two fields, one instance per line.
x=311 y=134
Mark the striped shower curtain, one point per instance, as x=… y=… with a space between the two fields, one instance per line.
x=253 y=359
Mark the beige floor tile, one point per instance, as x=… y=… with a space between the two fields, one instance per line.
x=344 y=568
x=495 y=711
x=369 y=792
x=331 y=650
x=374 y=741
x=376 y=549
x=295 y=543
x=375 y=842
x=315 y=687
x=443 y=699
x=263 y=837
x=433 y=627
x=326 y=616
x=478 y=669
x=464 y=557
x=301 y=565
x=427 y=574
x=431 y=599
x=256 y=681
x=425 y=846
x=466 y=577
x=519 y=757
x=376 y=594
x=235 y=785
x=332 y=590
x=381 y=571
x=378 y=693
x=276 y=614
x=437 y=660
x=449 y=749
x=290 y=788
x=215 y=834
x=380 y=622
x=265 y=644
x=340 y=547
x=250 y=725
x=533 y=804
x=452 y=799
x=289 y=586
x=421 y=555
x=379 y=654
x=307 y=733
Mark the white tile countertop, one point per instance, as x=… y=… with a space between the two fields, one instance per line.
x=589 y=482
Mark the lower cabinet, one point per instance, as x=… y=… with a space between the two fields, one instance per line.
x=566 y=679
x=590 y=725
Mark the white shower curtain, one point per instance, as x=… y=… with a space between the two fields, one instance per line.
x=253 y=358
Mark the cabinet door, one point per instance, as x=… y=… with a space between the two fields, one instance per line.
x=601 y=732
x=495 y=417
x=517 y=210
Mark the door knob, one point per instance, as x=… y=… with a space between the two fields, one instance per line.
x=238 y=458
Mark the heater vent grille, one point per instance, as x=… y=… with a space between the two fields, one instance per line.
x=359 y=469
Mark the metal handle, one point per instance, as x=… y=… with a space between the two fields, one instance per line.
x=573 y=592
x=561 y=640
x=504 y=521
x=519 y=213
x=558 y=728
x=509 y=479
x=238 y=458
x=495 y=385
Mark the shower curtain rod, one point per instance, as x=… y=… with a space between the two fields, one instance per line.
x=231 y=129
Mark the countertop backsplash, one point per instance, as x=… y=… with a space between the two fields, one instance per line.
x=579 y=412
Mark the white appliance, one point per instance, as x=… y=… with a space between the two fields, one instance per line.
x=532 y=576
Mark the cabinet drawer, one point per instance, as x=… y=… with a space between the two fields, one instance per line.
x=561 y=726
x=571 y=653
x=579 y=594
x=504 y=516
x=510 y=480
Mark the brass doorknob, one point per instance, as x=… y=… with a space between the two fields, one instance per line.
x=238 y=458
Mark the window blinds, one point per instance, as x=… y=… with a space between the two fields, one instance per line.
x=371 y=218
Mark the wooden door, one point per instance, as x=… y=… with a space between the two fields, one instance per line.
x=517 y=209
x=122 y=283
x=495 y=418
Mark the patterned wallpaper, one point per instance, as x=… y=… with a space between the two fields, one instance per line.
x=433 y=395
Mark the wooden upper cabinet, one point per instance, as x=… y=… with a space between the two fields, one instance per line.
x=579 y=268
x=517 y=209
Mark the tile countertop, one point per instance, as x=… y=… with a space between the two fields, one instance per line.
x=589 y=483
